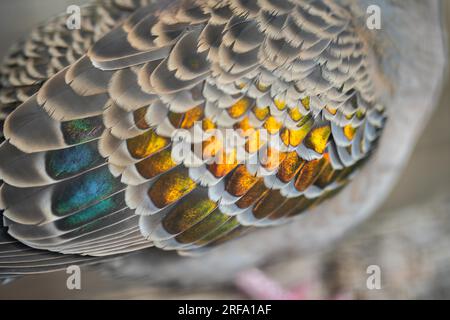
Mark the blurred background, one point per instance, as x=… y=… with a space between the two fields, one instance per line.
x=409 y=236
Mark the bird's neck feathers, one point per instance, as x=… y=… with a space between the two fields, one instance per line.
x=375 y=41
x=404 y=33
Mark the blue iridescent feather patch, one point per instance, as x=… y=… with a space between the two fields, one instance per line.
x=61 y=164
x=97 y=211
x=84 y=191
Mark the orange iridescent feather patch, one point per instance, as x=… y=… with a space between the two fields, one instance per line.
x=272 y=125
x=146 y=144
x=240 y=182
x=280 y=104
x=261 y=113
x=327 y=177
x=295 y=114
x=317 y=139
x=139 y=118
x=254 y=142
x=257 y=191
x=287 y=206
x=294 y=137
x=309 y=173
x=290 y=167
x=157 y=164
x=262 y=87
x=245 y=127
x=272 y=159
x=170 y=188
x=306 y=102
x=186 y=120
x=224 y=164
x=238 y=109
x=208 y=124
x=268 y=204
x=349 y=132
x=211 y=147
x=332 y=111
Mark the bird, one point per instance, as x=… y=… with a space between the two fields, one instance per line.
x=115 y=135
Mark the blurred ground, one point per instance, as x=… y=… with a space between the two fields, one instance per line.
x=409 y=237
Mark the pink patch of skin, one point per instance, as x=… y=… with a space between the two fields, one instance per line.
x=256 y=285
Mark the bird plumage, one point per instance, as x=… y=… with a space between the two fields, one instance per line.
x=90 y=163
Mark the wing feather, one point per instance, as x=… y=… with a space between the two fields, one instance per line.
x=290 y=78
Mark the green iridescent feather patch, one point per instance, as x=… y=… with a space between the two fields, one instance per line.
x=82 y=130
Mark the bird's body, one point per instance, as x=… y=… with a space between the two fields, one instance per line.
x=93 y=163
